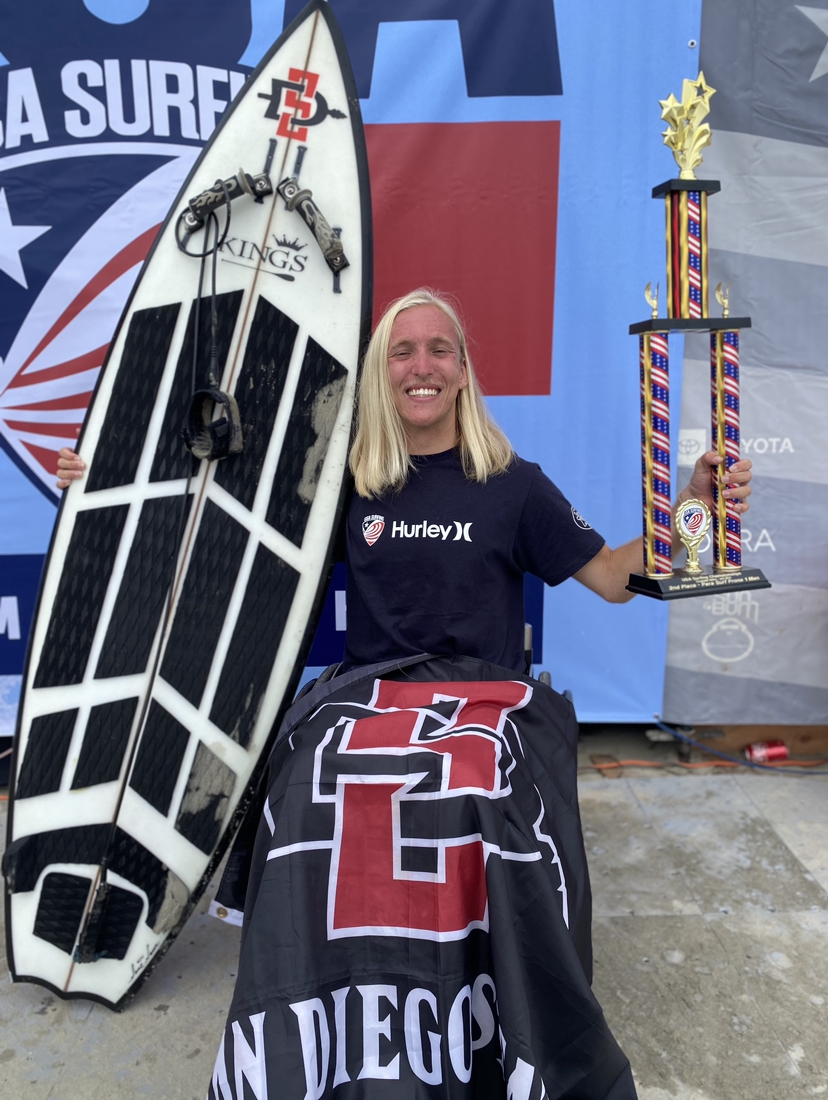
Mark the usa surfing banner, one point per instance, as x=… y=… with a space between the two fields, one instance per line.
x=417 y=920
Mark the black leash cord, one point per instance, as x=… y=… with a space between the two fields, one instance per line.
x=182 y=244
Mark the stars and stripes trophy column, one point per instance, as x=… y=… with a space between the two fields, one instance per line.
x=687 y=300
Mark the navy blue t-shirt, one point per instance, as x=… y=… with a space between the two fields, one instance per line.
x=438 y=567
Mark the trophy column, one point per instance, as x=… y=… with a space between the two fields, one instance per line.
x=687 y=265
x=724 y=401
x=655 y=453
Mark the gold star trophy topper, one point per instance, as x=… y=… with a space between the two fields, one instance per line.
x=688 y=133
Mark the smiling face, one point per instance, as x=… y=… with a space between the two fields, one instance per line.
x=426 y=373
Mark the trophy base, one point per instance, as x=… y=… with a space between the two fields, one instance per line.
x=682 y=585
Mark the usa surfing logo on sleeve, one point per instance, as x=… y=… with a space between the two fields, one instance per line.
x=372 y=528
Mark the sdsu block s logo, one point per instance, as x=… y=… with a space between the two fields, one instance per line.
x=409 y=850
x=303 y=105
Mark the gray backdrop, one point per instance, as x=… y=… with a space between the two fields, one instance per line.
x=763 y=657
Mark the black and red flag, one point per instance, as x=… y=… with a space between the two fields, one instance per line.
x=417 y=921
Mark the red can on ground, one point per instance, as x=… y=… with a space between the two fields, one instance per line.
x=766 y=752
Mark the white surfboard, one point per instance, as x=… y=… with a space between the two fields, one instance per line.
x=179 y=596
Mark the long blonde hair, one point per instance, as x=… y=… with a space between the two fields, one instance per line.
x=379 y=457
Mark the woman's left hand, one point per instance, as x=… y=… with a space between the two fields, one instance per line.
x=735 y=483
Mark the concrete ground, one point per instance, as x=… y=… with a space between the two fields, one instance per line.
x=711 y=948
x=711 y=928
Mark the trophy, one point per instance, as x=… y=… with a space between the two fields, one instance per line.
x=687 y=297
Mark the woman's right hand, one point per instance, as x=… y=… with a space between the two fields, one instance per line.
x=70 y=467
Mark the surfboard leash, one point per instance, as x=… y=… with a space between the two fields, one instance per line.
x=206 y=435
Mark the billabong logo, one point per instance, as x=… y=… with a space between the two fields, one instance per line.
x=372 y=528
x=579 y=519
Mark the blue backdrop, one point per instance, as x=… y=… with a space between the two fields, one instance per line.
x=78 y=144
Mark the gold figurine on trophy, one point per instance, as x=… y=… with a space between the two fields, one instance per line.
x=688 y=133
x=723 y=298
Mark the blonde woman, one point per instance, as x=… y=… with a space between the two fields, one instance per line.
x=445 y=518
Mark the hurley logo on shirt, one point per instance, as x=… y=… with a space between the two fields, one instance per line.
x=372 y=528
x=428 y=530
